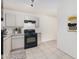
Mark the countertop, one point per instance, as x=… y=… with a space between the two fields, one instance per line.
x=19 y=34
x=11 y=34
x=7 y=36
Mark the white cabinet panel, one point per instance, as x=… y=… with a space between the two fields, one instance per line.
x=10 y=19
x=7 y=48
x=17 y=42
x=39 y=38
x=19 y=19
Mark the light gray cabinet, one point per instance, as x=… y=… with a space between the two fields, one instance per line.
x=17 y=42
x=14 y=19
x=39 y=38
x=19 y=20
x=10 y=19
x=7 y=48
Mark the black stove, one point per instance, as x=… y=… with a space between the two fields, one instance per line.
x=30 y=38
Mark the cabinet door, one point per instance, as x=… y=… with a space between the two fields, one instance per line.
x=7 y=48
x=17 y=42
x=10 y=19
x=39 y=38
x=19 y=20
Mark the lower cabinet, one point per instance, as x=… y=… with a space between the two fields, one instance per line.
x=39 y=38
x=7 y=48
x=17 y=42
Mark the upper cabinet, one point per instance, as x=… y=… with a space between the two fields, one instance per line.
x=14 y=19
x=10 y=19
x=20 y=20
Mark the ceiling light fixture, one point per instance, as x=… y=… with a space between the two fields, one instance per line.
x=32 y=3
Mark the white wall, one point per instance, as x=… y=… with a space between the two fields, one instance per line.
x=67 y=40
x=48 y=27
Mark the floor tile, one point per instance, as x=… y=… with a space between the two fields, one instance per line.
x=46 y=50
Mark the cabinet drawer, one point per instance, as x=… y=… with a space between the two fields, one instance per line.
x=14 y=37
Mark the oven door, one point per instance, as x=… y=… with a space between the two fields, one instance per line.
x=30 y=40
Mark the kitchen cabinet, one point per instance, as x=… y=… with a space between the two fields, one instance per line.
x=10 y=19
x=39 y=38
x=14 y=19
x=17 y=42
x=7 y=48
x=20 y=20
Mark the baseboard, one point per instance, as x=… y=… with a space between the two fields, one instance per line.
x=17 y=49
x=65 y=53
x=47 y=40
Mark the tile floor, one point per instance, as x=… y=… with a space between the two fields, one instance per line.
x=43 y=51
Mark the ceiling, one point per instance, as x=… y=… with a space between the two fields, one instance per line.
x=47 y=6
